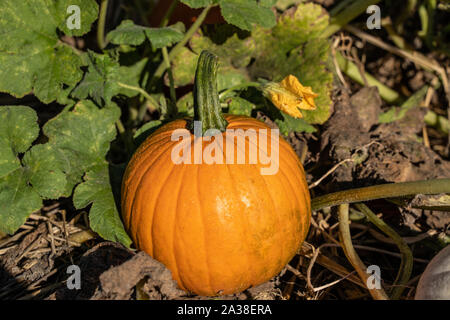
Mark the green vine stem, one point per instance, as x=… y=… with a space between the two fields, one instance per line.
x=162 y=67
x=207 y=108
x=101 y=24
x=240 y=86
x=347 y=15
x=173 y=96
x=168 y=14
x=390 y=190
x=406 y=265
x=350 y=253
x=351 y=70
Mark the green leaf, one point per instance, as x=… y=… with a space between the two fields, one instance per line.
x=199 y=3
x=397 y=113
x=234 y=55
x=127 y=33
x=43 y=171
x=289 y=124
x=131 y=34
x=103 y=215
x=32 y=57
x=105 y=79
x=101 y=80
x=163 y=37
x=240 y=106
x=18 y=200
x=24 y=184
x=64 y=13
x=295 y=47
x=245 y=14
x=131 y=76
x=81 y=138
x=18 y=130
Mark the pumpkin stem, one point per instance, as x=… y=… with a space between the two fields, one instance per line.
x=207 y=107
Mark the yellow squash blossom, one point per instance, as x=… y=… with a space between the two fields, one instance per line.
x=290 y=96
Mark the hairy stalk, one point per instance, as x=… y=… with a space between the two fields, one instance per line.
x=352 y=256
x=351 y=70
x=162 y=67
x=406 y=265
x=173 y=110
x=347 y=15
x=390 y=190
x=101 y=24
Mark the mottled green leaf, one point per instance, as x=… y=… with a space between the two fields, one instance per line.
x=234 y=51
x=80 y=139
x=294 y=47
x=32 y=57
x=289 y=124
x=129 y=33
x=245 y=14
x=233 y=55
x=240 y=106
x=17 y=200
x=44 y=172
x=18 y=130
x=183 y=67
x=101 y=80
x=64 y=13
x=24 y=183
x=163 y=37
x=104 y=217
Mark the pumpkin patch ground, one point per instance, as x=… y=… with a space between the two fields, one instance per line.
x=347 y=102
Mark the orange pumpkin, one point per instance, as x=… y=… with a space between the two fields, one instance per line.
x=219 y=228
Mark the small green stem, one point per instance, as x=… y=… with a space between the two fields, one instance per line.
x=391 y=190
x=141 y=91
x=350 y=252
x=351 y=70
x=120 y=127
x=347 y=15
x=438 y=122
x=162 y=67
x=406 y=265
x=173 y=97
x=207 y=108
x=101 y=24
x=239 y=87
x=168 y=14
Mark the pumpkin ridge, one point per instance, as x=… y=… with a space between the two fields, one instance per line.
x=235 y=192
x=155 y=211
x=136 y=164
x=138 y=193
x=129 y=176
x=175 y=260
x=208 y=271
x=267 y=189
x=282 y=249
